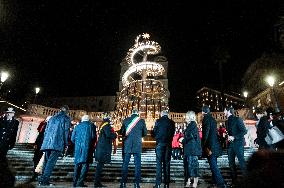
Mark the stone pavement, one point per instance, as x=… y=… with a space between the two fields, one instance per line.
x=201 y=184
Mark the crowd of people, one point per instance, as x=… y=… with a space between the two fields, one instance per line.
x=85 y=141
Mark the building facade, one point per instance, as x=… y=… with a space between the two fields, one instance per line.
x=91 y=103
x=213 y=98
x=271 y=97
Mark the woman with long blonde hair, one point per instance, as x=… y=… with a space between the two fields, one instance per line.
x=192 y=150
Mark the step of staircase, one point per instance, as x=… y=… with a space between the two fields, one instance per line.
x=20 y=159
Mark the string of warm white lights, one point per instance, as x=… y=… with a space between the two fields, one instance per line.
x=151 y=68
x=141 y=89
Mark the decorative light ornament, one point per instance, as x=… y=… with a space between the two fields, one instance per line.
x=141 y=88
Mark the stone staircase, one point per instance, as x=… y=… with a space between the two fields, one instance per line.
x=20 y=159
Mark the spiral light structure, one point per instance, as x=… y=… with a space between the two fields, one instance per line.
x=142 y=88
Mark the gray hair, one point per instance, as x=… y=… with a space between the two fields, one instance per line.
x=164 y=113
x=191 y=115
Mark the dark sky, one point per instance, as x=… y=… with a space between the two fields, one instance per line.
x=56 y=44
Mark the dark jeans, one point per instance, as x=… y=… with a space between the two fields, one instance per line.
x=80 y=172
x=163 y=160
x=216 y=174
x=137 y=162
x=50 y=159
x=236 y=149
x=99 y=169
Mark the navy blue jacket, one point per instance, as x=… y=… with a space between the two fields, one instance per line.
x=191 y=142
x=132 y=143
x=209 y=135
x=56 y=132
x=84 y=137
x=164 y=131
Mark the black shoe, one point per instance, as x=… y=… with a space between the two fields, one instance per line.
x=123 y=185
x=166 y=186
x=157 y=186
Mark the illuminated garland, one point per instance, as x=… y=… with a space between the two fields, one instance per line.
x=140 y=88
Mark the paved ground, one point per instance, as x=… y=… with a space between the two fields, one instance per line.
x=116 y=185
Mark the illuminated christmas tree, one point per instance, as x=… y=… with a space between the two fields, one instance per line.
x=143 y=80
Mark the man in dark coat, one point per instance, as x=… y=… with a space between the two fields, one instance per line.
x=8 y=132
x=132 y=130
x=163 y=132
x=104 y=148
x=210 y=145
x=236 y=131
x=83 y=136
x=55 y=141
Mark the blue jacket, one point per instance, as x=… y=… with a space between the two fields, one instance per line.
x=84 y=137
x=56 y=132
x=132 y=143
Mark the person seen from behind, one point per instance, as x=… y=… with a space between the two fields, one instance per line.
x=83 y=136
x=163 y=133
x=55 y=142
x=192 y=150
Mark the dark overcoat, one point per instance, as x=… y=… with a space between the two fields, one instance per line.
x=164 y=131
x=209 y=135
x=104 y=145
x=56 y=132
x=261 y=132
x=132 y=143
x=191 y=142
x=236 y=128
x=8 y=134
x=84 y=136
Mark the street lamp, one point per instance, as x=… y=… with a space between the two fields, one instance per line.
x=271 y=82
x=4 y=76
x=37 y=89
x=245 y=93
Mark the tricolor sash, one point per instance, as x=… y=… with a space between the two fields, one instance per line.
x=131 y=125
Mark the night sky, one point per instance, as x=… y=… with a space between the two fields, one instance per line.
x=55 y=44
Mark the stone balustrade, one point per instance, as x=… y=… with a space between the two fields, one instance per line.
x=36 y=113
x=43 y=111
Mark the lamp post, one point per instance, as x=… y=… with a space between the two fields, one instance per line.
x=37 y=89
x=271 y=82
x=4 y=76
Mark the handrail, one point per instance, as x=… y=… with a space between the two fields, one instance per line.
x=43 y=111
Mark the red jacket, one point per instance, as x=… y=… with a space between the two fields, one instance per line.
x=175 y=142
